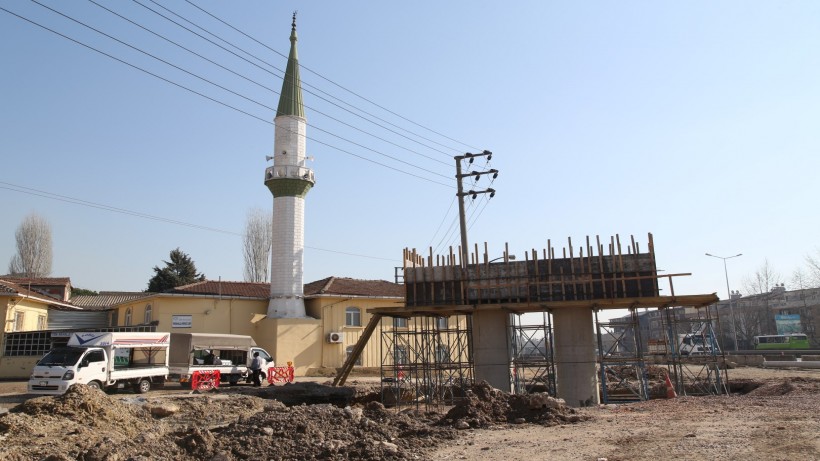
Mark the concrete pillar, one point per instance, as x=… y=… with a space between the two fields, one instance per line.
x=575 y=371
x=491 y=356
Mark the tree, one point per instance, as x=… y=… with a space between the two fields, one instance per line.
x=180 y=270
x=33 y=257
x=756 y=316
x=256 y=244
x=813 y=265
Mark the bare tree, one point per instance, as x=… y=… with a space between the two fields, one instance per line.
x=33 y=257
x=256 y=244
x=813 y=266
x=756 y=317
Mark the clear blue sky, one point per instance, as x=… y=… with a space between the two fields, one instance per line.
x=696 y=122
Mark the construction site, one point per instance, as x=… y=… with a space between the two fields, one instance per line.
x=490 y=360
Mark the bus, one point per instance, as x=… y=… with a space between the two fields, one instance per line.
x=778 y=342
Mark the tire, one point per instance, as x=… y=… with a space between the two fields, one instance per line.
x=94 y=385
x=143 y=386
x=233 y=380
x=111 y=390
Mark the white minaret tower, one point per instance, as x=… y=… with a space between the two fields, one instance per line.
x=289 y=180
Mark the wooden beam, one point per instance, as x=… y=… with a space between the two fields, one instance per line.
x=341 y=377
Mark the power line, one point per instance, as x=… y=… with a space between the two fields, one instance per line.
x=341 y=87
x=274 y=67
x=232 y=92
x=252 y=81
x=235 y=108
x=76 y=201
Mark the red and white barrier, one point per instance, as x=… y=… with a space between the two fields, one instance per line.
x=205 y=380
x=280 y=375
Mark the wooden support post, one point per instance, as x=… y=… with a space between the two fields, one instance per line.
x=341 y=377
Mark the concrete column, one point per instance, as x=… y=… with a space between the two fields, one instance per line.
x=576 y=377
x=491 y=356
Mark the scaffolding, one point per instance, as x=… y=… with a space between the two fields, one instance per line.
x=425 y=360
x=693 y=356
x=532 y=351
x=621 y=362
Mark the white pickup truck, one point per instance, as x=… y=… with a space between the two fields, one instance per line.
x=231 y=355
x=104 y=360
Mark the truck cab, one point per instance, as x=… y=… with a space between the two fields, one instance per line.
x=64 y=366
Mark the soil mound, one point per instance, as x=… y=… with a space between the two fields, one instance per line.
x=485 y=406
x=321 y=432
x=78 y=425
x=787 y=386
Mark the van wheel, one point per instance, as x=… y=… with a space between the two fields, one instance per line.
x=233 y=381
x=143 y=386
x=94 y=385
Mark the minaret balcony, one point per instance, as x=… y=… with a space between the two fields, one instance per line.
x=289 y=172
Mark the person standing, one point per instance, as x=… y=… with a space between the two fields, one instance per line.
x=257 y=364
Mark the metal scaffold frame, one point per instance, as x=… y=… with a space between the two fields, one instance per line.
x=696 y=362
x=425 y=360
x=621 y=362
x=532 y=350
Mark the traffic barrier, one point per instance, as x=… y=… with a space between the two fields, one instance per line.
x=205 y=380
x=280 y=374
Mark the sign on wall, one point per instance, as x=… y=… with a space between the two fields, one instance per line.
x=787 y=324
x=181 y=321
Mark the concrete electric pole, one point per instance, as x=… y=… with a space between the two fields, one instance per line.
x=465 y=251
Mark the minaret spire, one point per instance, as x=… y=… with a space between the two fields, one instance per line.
x=289 y=180
x=290 y=101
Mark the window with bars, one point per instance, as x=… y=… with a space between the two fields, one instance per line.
x=42 y=322
x=349 y=351
x=128 y=317
x=147 y=318
x=35 y=343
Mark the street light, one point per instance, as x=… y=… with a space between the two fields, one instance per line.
x=731 y=301
x=510 y=258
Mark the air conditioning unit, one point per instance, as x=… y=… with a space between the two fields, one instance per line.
x=335 y=337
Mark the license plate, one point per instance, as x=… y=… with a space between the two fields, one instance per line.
x=44 y=383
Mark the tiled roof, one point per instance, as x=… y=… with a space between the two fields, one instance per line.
x=10 y=288
x=216 y=287
x=344 y=286
x=106 y=299
x=37 y=280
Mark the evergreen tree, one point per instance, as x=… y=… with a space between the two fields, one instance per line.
x=180 y=270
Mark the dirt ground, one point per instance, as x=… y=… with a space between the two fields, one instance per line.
x=774 y=415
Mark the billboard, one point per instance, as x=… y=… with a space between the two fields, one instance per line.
x=788 y=324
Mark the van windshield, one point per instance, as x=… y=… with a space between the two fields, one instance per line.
x=62 y=356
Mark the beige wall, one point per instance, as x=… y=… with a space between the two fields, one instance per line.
x=208 y=315
x=31 y=309
x=292 y=340
x=18 y=367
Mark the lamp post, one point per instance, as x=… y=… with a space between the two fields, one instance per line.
x=509 y=258
x=731 y=301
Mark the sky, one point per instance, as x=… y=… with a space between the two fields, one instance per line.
x=696 y=122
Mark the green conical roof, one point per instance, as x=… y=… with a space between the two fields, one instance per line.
x=290 y=101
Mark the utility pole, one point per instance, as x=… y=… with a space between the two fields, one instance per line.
x=465 y=251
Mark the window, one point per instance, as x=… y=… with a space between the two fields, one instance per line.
x=95 y=356
x=353 y=317
x=147 y=318
x=128 y=317
x=349 y=351
x=442 y=323
x=28 y=344
x=19 y=321
x=42 y=322
x=399 y=322
x=114 y=318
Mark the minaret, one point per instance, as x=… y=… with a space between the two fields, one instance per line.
x=289 y=180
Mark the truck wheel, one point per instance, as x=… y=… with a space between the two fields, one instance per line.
x=111 y=390
x=143 y=386
x=94 y=385
x=233 y=380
